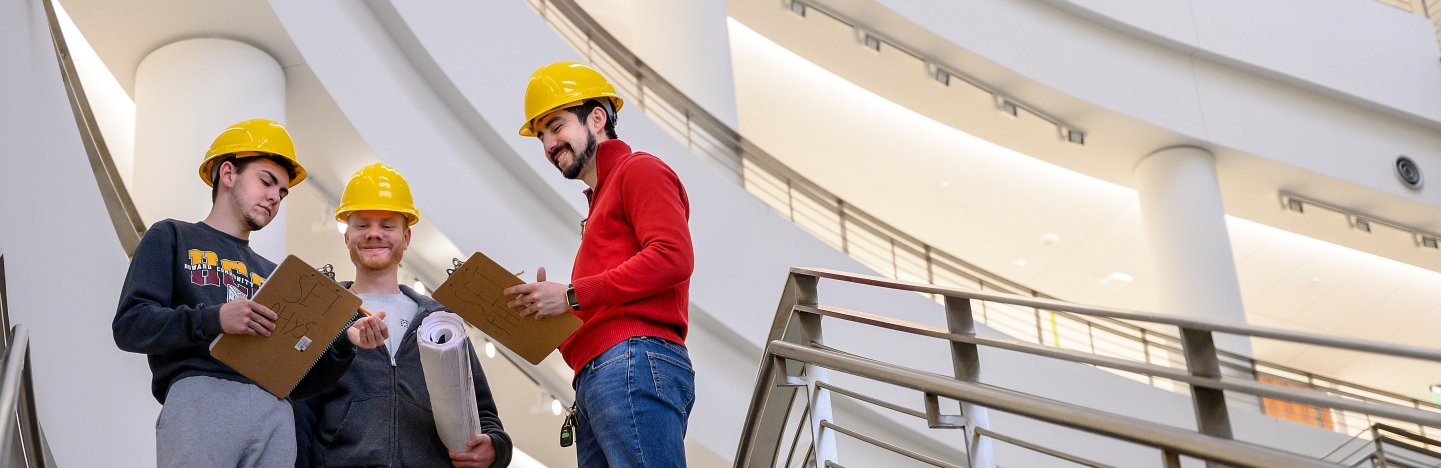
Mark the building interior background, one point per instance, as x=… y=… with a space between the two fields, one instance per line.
x=1087 y=151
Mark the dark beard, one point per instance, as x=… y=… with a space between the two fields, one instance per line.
x=580 y=161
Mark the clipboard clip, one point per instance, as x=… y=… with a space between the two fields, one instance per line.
x=328 y=270
x=455 y=265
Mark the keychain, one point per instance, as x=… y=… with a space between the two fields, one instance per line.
x=567 y=429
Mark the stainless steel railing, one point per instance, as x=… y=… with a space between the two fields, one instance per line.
x=17 y=406
x=17 y=393
x=1387 y=446
x=123 y=214
x=797 y=356
x=898 y=255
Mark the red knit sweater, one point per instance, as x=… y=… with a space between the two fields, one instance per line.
x=632 y=273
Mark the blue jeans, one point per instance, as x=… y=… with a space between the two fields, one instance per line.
x=632 y=402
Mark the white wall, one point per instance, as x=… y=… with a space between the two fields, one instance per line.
x=1339 y=87
x=437 y=94
x=64 y=265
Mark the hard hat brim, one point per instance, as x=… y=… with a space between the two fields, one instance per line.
x=209 y=163
x=343 y=213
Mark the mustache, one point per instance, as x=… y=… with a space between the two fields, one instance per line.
x=555 y=152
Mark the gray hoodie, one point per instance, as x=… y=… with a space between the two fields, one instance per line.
x=379 y=413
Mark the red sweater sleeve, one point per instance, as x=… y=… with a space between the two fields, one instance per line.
x=654 y=201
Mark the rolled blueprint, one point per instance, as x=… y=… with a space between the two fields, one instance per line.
x=445 y=358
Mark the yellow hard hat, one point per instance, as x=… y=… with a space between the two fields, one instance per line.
x=561 y=85
x=380 y=188
x=255 y=137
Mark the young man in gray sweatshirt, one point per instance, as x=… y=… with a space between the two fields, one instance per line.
x=190 y=282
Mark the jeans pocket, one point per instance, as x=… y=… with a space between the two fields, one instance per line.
x=674 y=380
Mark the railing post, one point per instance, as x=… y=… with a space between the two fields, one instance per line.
x=34 y=443
x=1170 y=459
x=773 y=395
x=4 y=304
x=822 y=439
x=966 y=359
x=1212 y=417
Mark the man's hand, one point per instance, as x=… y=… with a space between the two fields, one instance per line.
x=369 y=332
x=542 y=298
x=247 y=317
x=480 y=455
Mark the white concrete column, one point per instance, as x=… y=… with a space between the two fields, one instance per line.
x=1185 y=227
x=688 y=42
x=185 y=94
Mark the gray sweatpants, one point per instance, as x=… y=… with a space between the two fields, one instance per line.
x=209 y=422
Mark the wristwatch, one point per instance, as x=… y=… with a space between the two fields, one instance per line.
x=570 y=297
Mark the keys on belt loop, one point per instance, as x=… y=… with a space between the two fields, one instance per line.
x=567 y=429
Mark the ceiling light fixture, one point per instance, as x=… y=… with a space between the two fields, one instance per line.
x=1361 y=224
x=1357 y=221
x=1049 y=239
x=1436 y=389
x=798 y=8
x=873 y=43
x=555 y=407
x=1020 y=263
x=1119 y=276
x=420 y=287
x=339 y=226
x=489 y=349
x=1009 y=108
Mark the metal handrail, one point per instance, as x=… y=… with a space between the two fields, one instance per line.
x=17 y=403
x=1319 y=339
x=1097 y=422
x=890 y=250
x=796 y=338
x=124 y=217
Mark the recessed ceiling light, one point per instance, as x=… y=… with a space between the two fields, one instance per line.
x=339 y=226
x=1436 y=389
x=1021 y=262
x=489 y=349
x=1050 y=239
x=555 y=407
x=1118 y=276
x=945 y=184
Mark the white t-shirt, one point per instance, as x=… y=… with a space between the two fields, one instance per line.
x=399 y=310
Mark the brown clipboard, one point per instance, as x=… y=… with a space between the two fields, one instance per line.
x=312 y=311
x=473 y=292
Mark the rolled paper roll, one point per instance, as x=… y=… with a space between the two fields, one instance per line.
x=445 y=358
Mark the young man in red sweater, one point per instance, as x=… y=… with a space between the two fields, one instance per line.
x=634 y=387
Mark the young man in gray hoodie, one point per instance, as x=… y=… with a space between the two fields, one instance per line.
x=380 y=413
